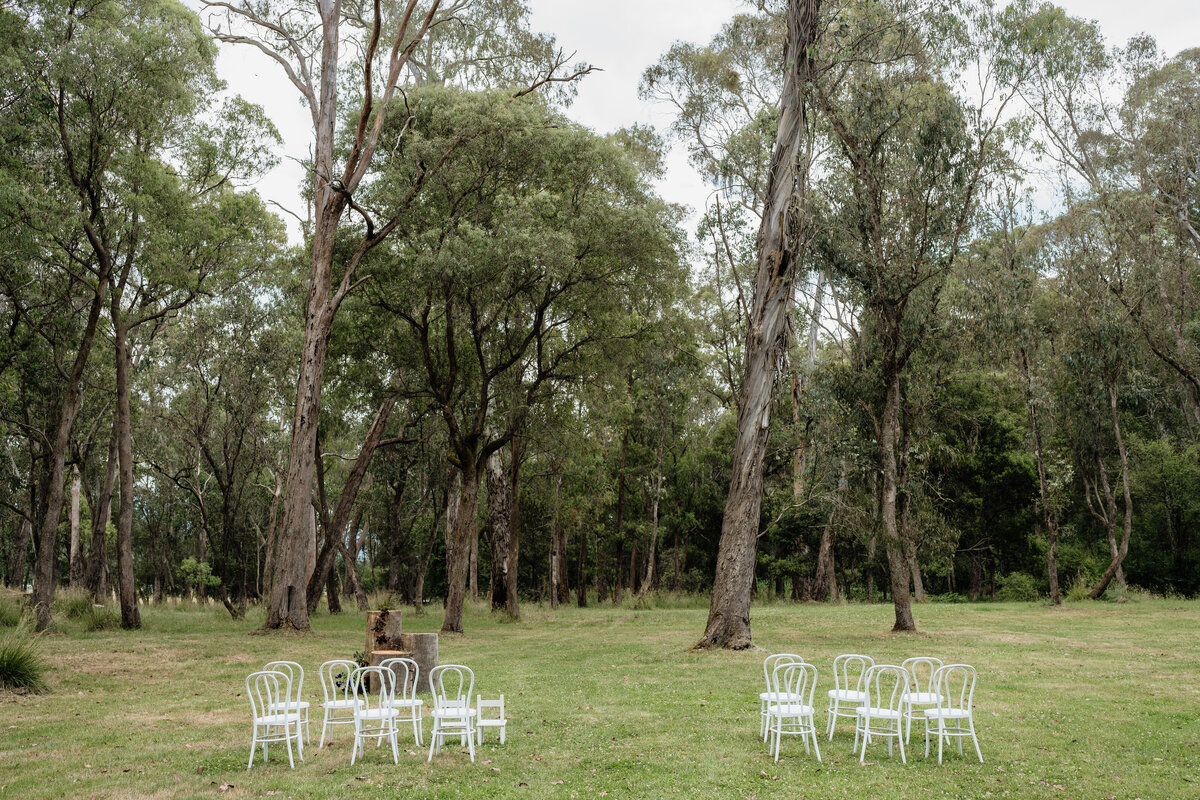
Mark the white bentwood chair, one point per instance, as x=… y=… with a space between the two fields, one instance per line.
x=295 y=701
x=879 y=715
x=339 y=697
x=407 y=673
x=374 y=716
x=451 y=685
x=923 y=695
x=795 y=681
x=849 y=669
x=955 y=684
x=268 y=691
x=765 y=698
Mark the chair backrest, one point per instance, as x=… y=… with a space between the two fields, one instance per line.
x=481 y=704
x=771 y=661
x=885 y=684
x=451 y=686
x=955 y=683
x=293 y=671
x=922 y=667
x=383 y=681
x=267 y=689
x=849 y=670
x=796 y=679
x=407 y=674
x=335 y=678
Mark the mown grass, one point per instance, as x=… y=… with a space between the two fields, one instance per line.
x=1094 y=700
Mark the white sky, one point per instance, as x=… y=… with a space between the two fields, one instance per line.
x=623 y=37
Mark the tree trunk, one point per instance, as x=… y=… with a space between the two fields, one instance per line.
x=1049 y=517
x=783 y=220
x=826 y=582
x=126 y=581
x=47 y=541
x=1118 y=552
x=514 y=520
x=581 y=593
x=101 y=511
x=499 y=518
x=899 y=570
x=76 y=562
x=655 y=495
x=268 y=572
x=19 y=554
x=473 y=567
x=464 y=530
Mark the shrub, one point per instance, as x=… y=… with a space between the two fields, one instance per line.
x=73 y=603
x=22 y=665
x=950 y=597
x=1079 y=589
x=1020 y=587
x=100 y=618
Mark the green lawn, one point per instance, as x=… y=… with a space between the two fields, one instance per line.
x=1094 y=700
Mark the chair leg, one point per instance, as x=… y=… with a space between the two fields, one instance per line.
x=813 y=730
x=900 y=738
x=927 y=737
x=504 y=729
x=974 y=740
x=253 y=746
x=432 y=739
x=941 y=737
x=324 y=727
x=833 y=711
x=288 y=741
x=470 y=741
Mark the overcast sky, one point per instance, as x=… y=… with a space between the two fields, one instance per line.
x=623 y=37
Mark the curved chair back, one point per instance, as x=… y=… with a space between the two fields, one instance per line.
x=335 y=679
x=451 y=685
x=295 y=672
x=771 y=661
x=885 y=684
x=372 y=700
x=955 y=685
x=921 y=670
x=267 y=690
x=407 y=672
x=795 y=680
x=849 y=671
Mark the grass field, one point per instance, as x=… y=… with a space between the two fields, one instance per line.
x=1094 y=700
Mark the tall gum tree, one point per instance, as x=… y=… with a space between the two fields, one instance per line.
x=784 y=219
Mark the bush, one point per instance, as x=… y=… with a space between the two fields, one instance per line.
x=22 y=665
x=1018 y=587
x=73 y=603
x=100 y=618
x=950 y=597
x=1079 y=589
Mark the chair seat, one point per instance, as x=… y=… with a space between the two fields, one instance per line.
x=402 y=703
x=881 y=713
x=376 y=713
x=277 y=719
x=452 y=713
x=791 y=710
x=947 y=713
x=341 y=704
x=847 y=695
x=299 y=705
x=920 y=698
x=775 y=697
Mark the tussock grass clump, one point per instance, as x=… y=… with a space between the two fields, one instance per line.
x=22 y=665
x=100 y=618
x=10 y=614
x=73 y=603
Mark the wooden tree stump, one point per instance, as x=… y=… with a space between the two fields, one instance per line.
x=424 y=649
x=383 y=635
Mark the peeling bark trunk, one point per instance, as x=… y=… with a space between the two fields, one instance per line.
x=581 y=594
x=825 y=583
x=782 y=227
x=19 y=554
x=499 y=517
x=655 y=495
x=1118 y=552
x=76 y=558
x=101 y=511
x=268 y=571
x=514 y=520
x=899 y=571
x=1049 y=518
x=464 y=529
x=126 y=581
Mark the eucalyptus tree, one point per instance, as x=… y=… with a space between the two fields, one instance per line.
x=529 y=249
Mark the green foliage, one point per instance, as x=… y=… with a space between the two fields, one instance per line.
x=22 y=663
x=1018 y=586
x=1079 y=590
x=10 y=613
x=195 y=574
